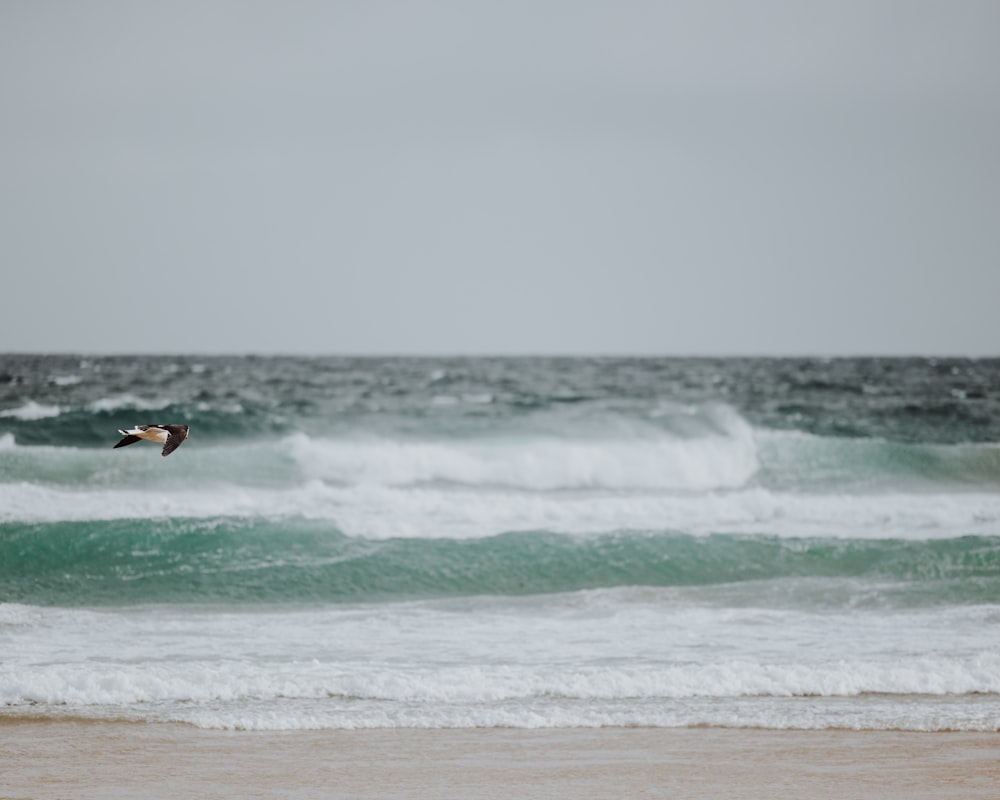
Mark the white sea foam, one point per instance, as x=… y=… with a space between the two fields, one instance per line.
x=223 y=681
x=869 y=713
x=382 y=512
x=32 y=411
x=128 y=400
x=607 y=657
x=124 y=684
x=312 y=694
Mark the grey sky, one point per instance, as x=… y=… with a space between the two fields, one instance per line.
x=532 y=176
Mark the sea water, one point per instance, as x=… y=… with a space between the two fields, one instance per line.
x=350 y=543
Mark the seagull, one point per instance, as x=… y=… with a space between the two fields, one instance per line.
x=170 y=435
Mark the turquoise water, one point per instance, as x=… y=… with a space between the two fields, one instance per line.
x=247 y=561
x=526 y=542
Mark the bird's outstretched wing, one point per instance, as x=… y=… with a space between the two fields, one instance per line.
x=127 y=440
x=175 y=435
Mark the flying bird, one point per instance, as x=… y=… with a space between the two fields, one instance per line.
x=170 y=436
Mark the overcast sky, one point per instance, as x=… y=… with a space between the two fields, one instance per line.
x=517 y=176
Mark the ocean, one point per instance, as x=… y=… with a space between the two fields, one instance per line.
x=350 y=543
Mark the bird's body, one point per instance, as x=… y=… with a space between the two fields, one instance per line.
x=170 y=436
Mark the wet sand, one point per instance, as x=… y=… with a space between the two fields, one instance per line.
x=110 y=760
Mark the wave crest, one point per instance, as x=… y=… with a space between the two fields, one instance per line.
x=715 y=450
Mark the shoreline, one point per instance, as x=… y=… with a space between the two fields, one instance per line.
x=80 y=759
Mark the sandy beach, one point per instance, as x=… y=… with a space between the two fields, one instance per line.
x=107 y=760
